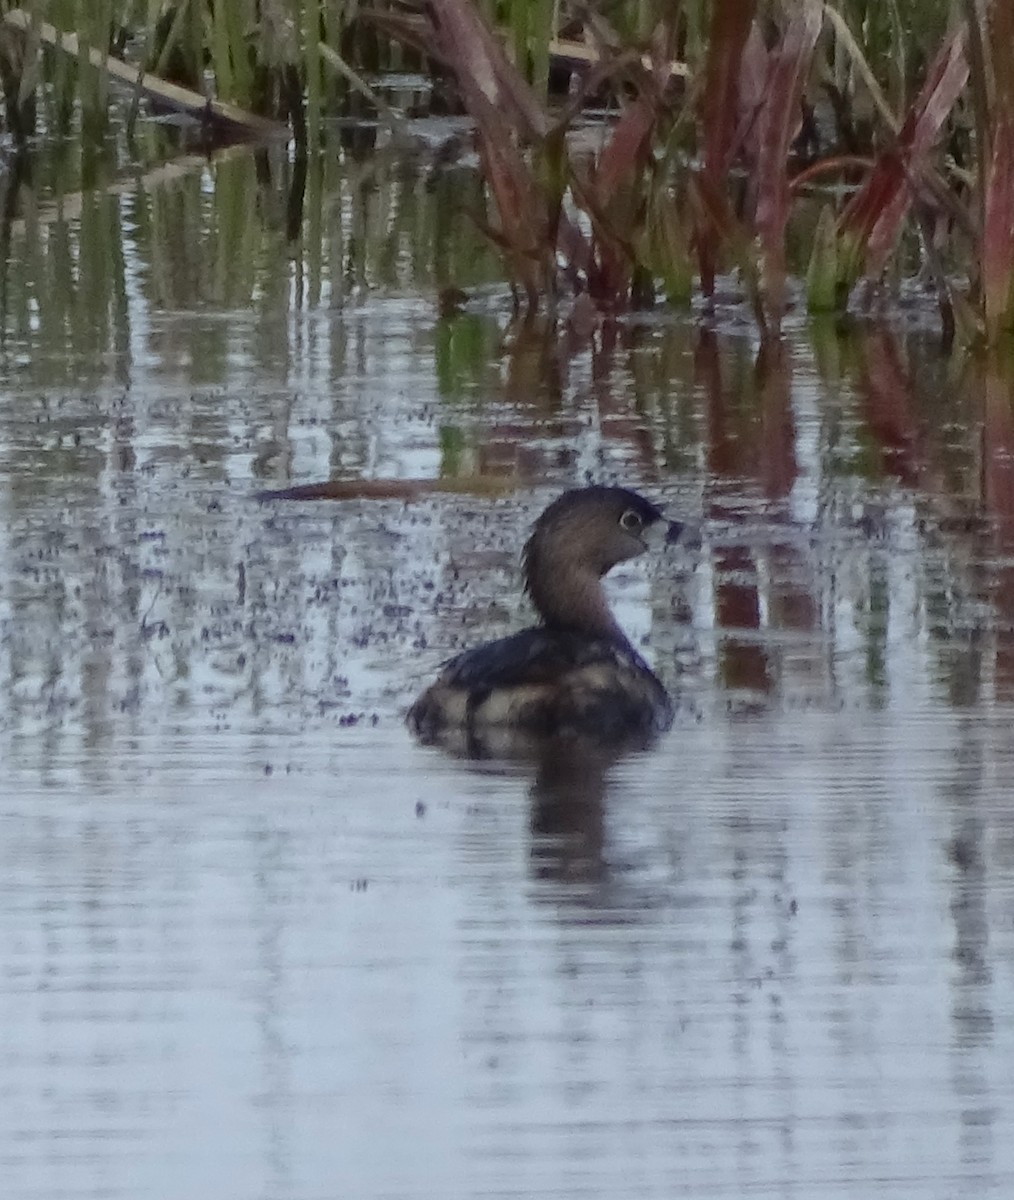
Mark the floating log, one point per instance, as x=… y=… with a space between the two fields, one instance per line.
x=394 y=489
x=173 y=96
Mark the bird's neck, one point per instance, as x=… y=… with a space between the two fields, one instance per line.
x=576 y=601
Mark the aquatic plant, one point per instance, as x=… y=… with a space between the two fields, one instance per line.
x=728 y=121
x=991 y=53
x=749 y=109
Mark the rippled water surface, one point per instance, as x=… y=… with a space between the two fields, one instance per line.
x=254 y=942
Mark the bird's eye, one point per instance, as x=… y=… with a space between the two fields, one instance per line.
x=630 y=520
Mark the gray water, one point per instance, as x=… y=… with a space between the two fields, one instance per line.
x=254 y=942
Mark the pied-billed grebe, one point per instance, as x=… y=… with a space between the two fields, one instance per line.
x=576 y=672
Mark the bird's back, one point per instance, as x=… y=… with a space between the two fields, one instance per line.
x=545 y=682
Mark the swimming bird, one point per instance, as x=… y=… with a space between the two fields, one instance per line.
x=575 y=672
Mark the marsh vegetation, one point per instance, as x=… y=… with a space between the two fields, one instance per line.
x=804 y=154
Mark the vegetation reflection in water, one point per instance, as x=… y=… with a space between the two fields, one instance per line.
x=250 y=231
